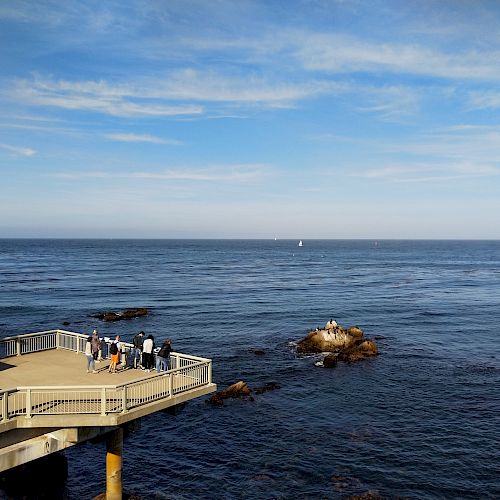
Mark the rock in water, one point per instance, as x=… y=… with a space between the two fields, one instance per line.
x=355 y=331
x=238 y=390
x=270 y=386
x=117 y=316
x=332 y=340
x=350 y=344
x=364 y=349
x=330 y=361
x=134 y=313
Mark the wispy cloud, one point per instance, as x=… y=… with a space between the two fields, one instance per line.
x=210 y=86
x=487 y=99
x=19 y=151
x=228 y=173
x=347 y=54
x=463 y=143
x=389 y=102
x=141 y=138
x=430 y=172
x=102 y=97
x=178 y=93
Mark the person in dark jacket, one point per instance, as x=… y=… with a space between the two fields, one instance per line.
x=163 y=356
x=134 y=358
x=96 y=345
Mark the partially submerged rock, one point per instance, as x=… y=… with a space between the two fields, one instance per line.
x=126 y=314
x=365 y=349
x=270 y=386
x=330 y=361
x=238 y=390
x=347 y=345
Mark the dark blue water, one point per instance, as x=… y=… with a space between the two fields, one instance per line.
x=420 y=421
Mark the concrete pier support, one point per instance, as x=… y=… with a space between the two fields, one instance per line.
x=114 y=453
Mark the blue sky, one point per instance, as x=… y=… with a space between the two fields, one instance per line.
x=250 y=119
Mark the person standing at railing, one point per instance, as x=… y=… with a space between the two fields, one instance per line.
x=119 y=344
x=113 y=351
x=89 y=356
x=96 y=346
x=134 y=360
x=147 y=353
x=163 y=356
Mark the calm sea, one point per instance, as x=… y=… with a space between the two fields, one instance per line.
x=420 y=421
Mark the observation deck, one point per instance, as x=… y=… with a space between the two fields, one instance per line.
x=49 y=402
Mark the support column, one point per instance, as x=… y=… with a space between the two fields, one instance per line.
x=114 y=452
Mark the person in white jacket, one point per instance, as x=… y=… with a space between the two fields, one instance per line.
x=147 y=353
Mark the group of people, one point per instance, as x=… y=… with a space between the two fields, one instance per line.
x=141 y=354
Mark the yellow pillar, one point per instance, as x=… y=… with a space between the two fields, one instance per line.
x=114 y=451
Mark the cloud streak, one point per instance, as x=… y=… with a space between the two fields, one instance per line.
x=430 y=172
x=101 y=97
x=140 y=138
x=179 y=93
x=348 y=54
x=229 y=173
x=18 y=151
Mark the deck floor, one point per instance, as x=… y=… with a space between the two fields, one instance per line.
x=60 y=367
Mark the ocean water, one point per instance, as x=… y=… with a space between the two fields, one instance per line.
x=420 y=421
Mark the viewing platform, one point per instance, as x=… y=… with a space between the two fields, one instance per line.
x=49 y=402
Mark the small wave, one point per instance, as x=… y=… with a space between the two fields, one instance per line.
x=478 y=369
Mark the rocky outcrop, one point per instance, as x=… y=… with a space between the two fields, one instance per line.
x=347 y=345
x=329 y=340
x=364 y=349
x=118 y=316
x=240 y=390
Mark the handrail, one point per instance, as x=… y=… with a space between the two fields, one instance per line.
x=189 y=372
x=24 y=335
x=128 y=345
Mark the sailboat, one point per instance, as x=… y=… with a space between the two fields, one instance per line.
x=300 y=243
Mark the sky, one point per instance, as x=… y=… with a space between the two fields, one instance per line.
x=250 y=119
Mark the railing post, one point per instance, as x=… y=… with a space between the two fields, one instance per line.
x=124 y=399
x=177 y=363
x=28 y=403
x=18 y=346
x=103 y=401
x=170 y=384
x=210 y=372
x=57 y=339
x=5 y=406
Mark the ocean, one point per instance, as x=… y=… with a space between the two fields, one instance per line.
x=419 y=421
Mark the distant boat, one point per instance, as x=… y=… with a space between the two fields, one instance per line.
x=300 y=243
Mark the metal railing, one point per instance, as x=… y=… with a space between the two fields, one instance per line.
x=186 y=373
